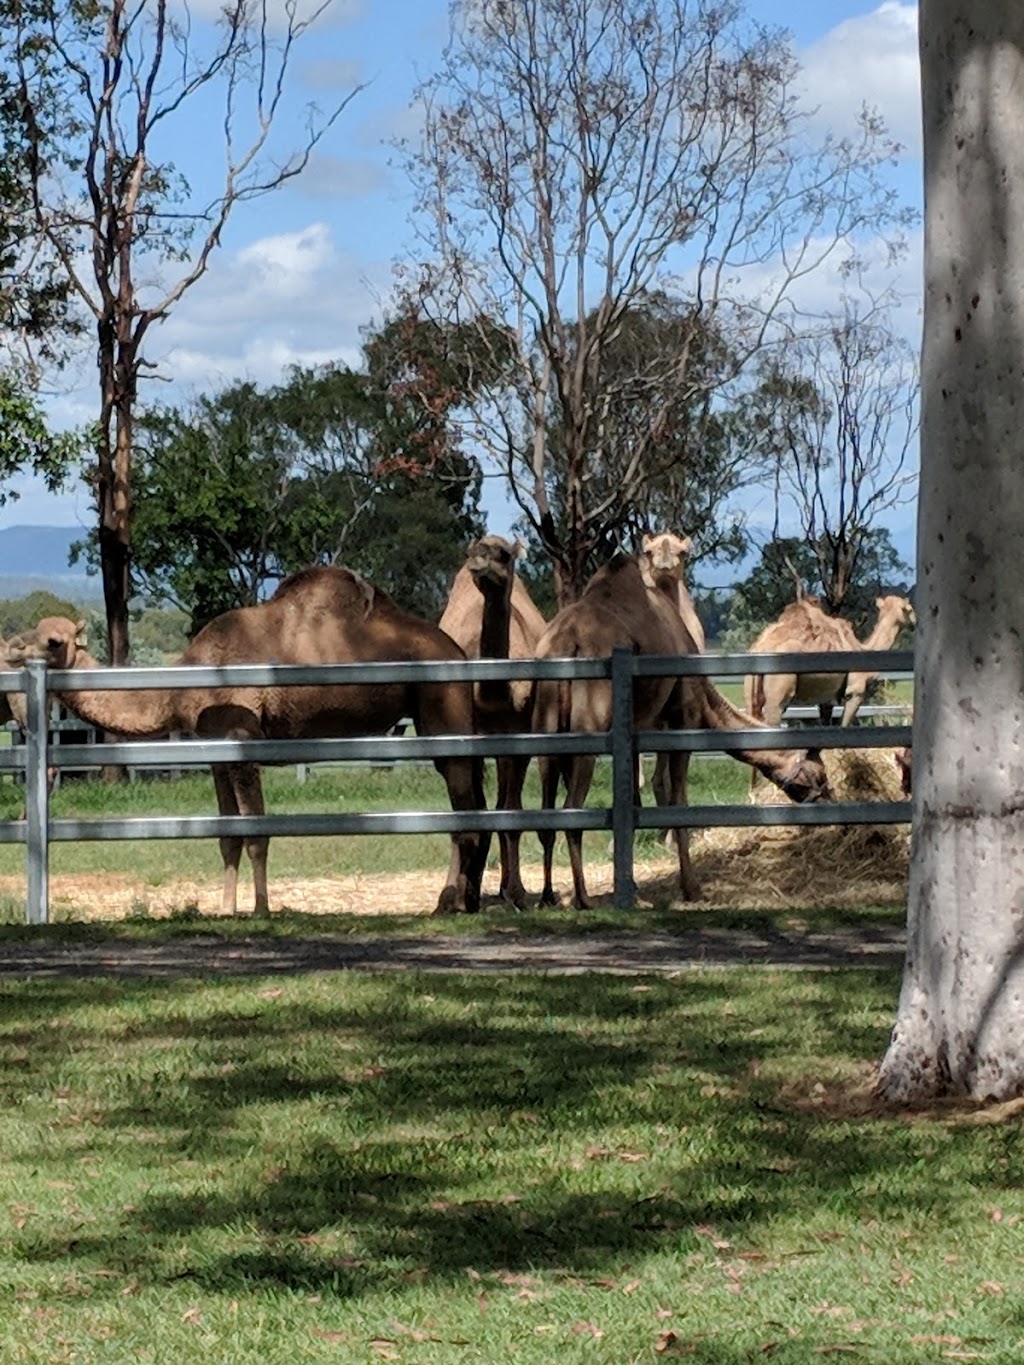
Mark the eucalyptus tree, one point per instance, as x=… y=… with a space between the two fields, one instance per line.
x=108 y=190
x=578 y=156
x=958 y=1025
x=839 y=425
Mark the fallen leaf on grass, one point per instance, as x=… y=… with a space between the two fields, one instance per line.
x=588 y=1329
x=670 y=1344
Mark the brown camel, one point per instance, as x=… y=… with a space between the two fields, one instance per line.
x=491 y=615
x=805 y=627
x=317 y=616
x=617 y=608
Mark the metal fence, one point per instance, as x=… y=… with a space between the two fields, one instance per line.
x=621 y=743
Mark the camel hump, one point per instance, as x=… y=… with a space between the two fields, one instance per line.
x=331 y=585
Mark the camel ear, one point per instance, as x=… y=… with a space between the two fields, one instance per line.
x=520 y=551
x=646 y=543
x=879 y=602
x=685 y=545
x=81 y=638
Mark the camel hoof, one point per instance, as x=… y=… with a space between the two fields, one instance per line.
x=451 y=903
x=550 y=900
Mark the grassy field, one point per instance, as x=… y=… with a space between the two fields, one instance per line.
x=463 y=1168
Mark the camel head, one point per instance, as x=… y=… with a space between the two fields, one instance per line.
x=54 y=639
x=662 y=556
x=898 y=610
x=806 y=780
x=491 y=561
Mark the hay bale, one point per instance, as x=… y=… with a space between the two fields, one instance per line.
x=786 y=865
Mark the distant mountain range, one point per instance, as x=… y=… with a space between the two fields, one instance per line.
x=35 y=558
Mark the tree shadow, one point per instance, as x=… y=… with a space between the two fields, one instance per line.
x=383 y=1181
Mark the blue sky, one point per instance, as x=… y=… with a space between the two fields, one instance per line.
x=301 y=271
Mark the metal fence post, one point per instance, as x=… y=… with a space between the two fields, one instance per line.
x=37 y=812
x=623 y=776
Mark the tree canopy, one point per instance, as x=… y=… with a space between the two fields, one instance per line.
x=332 y=465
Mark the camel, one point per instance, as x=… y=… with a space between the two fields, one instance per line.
x=617 y=608
x=662 y=561
x=805 y=627
x=319 y=615
x=491 y=615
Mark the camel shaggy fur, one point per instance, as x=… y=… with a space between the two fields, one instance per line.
x=490 y=615
x=804 y=627
x=321 y=615
x=617 y=608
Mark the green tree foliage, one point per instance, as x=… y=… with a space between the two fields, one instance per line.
x=17 y=614
x=332 y=465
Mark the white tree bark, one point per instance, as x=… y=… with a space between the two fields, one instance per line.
x=960 y=1023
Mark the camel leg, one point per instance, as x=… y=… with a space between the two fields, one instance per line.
x=249 y=795
x=549 y=770
x=240 y=792
x=661 y=785
x=464 y=778
x=580 y=777
x=511 y=777
x=678 y=771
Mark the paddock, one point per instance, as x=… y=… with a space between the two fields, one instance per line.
x=730 y=838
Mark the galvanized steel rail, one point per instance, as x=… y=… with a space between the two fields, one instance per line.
x=621 y=742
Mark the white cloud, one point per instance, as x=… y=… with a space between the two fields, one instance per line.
x=871 y=59
x=289 y=299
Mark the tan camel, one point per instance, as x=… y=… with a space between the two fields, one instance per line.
x=318 y=616
x=617 y=608
x=662 y=563
x=805 y=627
x=491 y=615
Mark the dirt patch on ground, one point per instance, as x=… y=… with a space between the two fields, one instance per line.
x=773 y=868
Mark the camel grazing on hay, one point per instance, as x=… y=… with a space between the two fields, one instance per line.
x=804 y=627
x=491 y=615
x=319 y=615
x=617 y=608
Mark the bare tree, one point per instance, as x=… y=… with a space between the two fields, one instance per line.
x=579 y=155
x=122 y=72
x=958 y=1026
x=842 y=424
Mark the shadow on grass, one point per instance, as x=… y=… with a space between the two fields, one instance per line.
x=423 y=1127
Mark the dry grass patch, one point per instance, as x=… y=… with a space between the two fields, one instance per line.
x=839 y=865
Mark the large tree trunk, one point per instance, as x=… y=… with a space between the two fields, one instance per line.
x=959 y=1024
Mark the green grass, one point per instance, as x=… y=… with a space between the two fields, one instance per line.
x=449 y=1169
x=350 y=788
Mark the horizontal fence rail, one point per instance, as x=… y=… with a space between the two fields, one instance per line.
x=621 y=743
